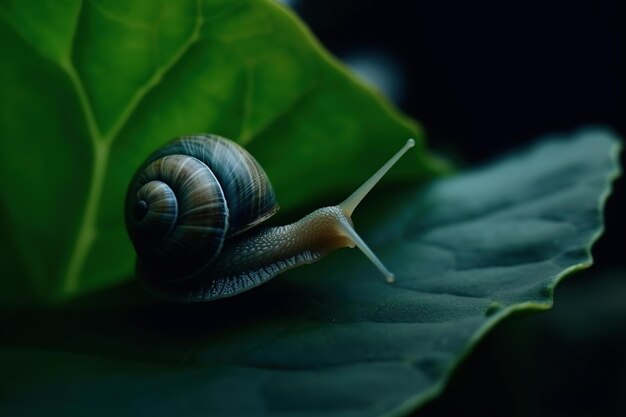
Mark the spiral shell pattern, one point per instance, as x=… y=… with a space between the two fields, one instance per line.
x=190 y=196
x=248 y=191
x=176 y=216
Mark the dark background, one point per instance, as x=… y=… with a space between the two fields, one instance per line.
x=486 y=78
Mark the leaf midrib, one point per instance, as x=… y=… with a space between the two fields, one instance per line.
x=101 y=145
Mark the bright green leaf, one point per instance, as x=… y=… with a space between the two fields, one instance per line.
x=332 y=338
x=90 y=88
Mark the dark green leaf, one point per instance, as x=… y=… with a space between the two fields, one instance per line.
x=90 y=88
x=332 y=338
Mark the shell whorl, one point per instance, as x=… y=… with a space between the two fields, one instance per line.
x=190 y=196
x=177 y=216
x=248 y=191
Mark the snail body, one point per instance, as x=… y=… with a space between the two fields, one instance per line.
x=194 y=212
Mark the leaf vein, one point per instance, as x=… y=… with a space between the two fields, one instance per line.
x=156 y=79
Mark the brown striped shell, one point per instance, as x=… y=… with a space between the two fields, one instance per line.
x=187 y=198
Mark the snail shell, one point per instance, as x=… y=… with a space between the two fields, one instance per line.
x=187 y=198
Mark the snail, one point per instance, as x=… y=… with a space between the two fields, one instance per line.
x=194 y=213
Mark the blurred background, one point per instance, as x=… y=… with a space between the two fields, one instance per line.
x=486 y=78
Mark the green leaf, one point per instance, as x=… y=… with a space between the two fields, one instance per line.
x=332 y=338
x=90 y=88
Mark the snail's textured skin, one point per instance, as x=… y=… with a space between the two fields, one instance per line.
x=252 y=259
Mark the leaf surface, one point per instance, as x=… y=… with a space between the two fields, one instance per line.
x=90 y=88
x=332 y=338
